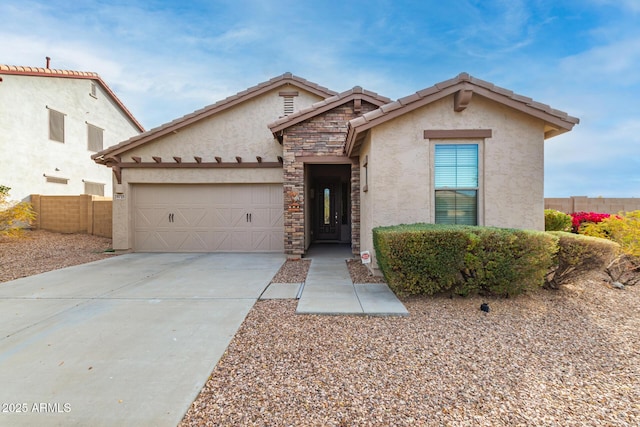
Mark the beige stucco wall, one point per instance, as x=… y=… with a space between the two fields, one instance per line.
x=239 y=131
x=24 y=120
x=401 y=176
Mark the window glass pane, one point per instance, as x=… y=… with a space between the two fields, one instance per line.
x=327 y=206
x=456 y=166
x=456 y=207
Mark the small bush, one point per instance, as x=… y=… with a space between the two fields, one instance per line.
x=623 y=229
x=13 y=215
x=579 y=254
x=429 y=258
x=579 y=218
x=556 y=221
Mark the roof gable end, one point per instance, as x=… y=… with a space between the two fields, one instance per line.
x=320 y=107
x=69 y=74
x=208 y=111
x=463 y=87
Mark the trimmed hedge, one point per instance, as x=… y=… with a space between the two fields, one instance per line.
x=432 y=258
x=579 y=254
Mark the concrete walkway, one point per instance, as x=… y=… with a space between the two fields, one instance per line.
x=329 y=290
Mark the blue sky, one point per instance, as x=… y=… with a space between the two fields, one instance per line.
x=166 y=58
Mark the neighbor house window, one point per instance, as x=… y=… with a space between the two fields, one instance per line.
x=456 y=184
x=94 y=188
x=94 y=137
x=56 y=125
x=56 y=179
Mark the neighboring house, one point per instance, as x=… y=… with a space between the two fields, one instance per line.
x=51 y=122
x=288 y=163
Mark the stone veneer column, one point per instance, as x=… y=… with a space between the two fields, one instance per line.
x=355 y=206
x=293 y=209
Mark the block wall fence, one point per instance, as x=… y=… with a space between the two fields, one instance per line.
x=73 y=214
x=598 y=204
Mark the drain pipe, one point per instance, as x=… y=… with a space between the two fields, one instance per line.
x=300 y=290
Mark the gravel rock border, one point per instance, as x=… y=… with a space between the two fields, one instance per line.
x=295 y=271
x=39 y=251
x=568 y=358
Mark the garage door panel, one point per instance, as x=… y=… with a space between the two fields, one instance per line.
x=220 y=241
x=150 y=217
x=190 y=217
x=208 y=218
x=150 y=241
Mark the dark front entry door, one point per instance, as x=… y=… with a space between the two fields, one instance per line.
x=327 y=210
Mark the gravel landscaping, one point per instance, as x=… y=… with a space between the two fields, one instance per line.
x=39 y=251
x=567 y=357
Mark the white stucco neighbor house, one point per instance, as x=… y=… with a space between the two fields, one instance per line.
x=288 y=163
x=51 y=122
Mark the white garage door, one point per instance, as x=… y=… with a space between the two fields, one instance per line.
x=208 y=218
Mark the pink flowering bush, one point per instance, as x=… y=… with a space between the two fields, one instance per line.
x=578 y=218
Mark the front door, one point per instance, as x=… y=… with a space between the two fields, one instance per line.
x=327 y=210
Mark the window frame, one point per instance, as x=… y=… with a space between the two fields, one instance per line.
x=479 y=142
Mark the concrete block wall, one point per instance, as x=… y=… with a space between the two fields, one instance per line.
x=599 y=204
x=102 y=218
x=73 y=214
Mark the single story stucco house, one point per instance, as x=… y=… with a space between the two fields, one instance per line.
x=288 y=163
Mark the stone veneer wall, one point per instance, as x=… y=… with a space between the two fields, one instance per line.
x=320 y=136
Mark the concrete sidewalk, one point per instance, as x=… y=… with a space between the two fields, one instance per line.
x=329 y=289
x=126 y=341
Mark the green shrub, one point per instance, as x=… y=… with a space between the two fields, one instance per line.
x=556 y=221
x=429 y=258
x=418 y=260
x=579 y=254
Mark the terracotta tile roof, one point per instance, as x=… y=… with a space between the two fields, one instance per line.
x=284 y=79
x=49 y=72
x=558 y=121
x=326 y=105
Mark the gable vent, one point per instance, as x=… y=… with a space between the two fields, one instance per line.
x=288 y=105
x=287 y=97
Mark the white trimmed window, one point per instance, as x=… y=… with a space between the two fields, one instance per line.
x=456 y=184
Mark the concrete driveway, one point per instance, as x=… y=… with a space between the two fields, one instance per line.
x=128 y=340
